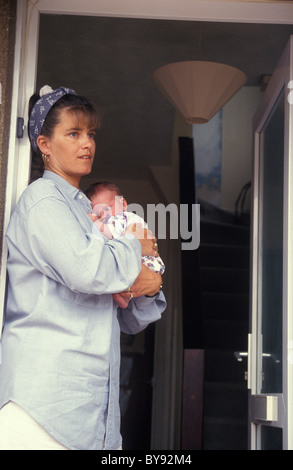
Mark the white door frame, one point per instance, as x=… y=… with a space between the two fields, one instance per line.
x=25 y=65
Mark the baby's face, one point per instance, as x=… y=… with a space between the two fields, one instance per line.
x=107 y=203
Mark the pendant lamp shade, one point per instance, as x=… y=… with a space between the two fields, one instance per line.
x=198 y=89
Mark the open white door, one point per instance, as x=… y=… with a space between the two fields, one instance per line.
x=271 y=339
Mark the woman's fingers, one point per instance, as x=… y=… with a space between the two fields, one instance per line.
x=140 y=232
x=148 y=241
x=147 y=283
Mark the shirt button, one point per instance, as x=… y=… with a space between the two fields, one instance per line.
x=79 y=196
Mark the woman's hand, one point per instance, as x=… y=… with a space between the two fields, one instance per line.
x=148 y=241
x=147 y=283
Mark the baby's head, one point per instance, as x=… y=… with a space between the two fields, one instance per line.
x=106 y=199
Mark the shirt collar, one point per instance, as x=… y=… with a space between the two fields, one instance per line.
x=61 y=182
x=67 y=187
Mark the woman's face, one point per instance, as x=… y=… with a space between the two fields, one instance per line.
x=71 y=148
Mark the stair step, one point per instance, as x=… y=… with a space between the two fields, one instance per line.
x=226 y=306
x=225 y=400
x=224 y=273
x=222 y=233
x=211 y=212
x=226 y=256
x=222 y=366
x=226 y=280
x=225 y=434
x=225 y=335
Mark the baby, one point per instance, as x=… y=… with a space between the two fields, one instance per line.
x=112 y=218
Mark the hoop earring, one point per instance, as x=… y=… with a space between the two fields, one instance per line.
x=45 y=158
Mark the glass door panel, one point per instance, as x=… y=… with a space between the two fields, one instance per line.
x=271 y=438
x=271 y=252
x=270 y=375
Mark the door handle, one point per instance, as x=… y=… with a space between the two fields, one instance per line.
x=240 y=355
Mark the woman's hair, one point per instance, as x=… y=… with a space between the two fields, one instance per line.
x=77 y=105
x=100 y=186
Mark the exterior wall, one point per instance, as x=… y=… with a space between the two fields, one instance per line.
x=7 y=39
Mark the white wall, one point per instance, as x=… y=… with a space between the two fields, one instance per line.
x=237 y=144
x=237 y=148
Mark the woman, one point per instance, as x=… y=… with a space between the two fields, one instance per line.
x=59 y=380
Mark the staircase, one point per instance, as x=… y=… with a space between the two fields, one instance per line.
x=224 y=273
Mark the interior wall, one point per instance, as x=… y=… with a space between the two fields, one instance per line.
x=237 y=149
x=223 y=151
x=237 y=144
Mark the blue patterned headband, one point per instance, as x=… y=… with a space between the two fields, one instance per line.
x=40 y=110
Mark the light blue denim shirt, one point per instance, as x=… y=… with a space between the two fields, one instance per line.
x=61 y=336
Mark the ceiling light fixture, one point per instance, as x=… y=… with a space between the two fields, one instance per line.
x=198 y=89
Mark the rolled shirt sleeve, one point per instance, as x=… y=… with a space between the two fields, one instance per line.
x=141 y=311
